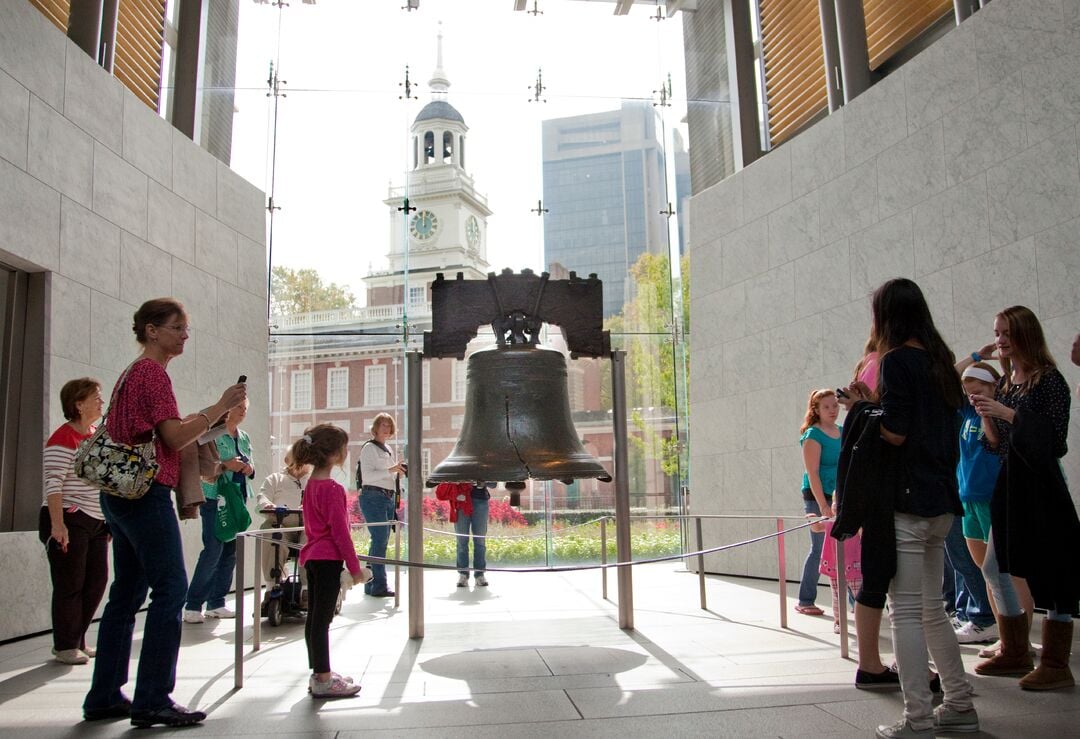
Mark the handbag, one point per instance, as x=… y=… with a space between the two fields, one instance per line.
x=232 y=515
x=122 y=470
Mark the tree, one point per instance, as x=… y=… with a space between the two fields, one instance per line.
x=644 y=330
x=296 y=291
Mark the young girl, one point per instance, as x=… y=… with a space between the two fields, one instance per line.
x=820 y=443
x=329 y=547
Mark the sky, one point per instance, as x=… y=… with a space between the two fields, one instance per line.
x=343 y=128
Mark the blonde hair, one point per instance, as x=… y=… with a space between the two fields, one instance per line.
x=813 y=407
x=379 y=419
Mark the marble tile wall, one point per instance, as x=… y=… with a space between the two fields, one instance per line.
x=960 y=170
x=118 y=207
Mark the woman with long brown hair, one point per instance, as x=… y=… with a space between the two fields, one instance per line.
x=1034 y=527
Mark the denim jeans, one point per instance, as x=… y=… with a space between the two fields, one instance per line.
x=147 y=555
x=810 y=574
x=478 y=524
x=214 y=571
x=919 y=622
x=377 y=506
x=972 y=603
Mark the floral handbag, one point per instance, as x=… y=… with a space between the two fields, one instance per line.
x=123 y=470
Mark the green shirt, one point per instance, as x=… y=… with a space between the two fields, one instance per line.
x=230 y=448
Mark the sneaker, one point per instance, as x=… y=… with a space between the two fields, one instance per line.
x=335 y=687
x=344 y=678
x=481 y=581
x=71 y=657
x=952 y=721
x=222 y=612
x=969 y=633
x=886 y=680
x=463 y=580
x=193 y=617
x=902 y=729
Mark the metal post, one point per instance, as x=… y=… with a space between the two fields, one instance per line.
x=110 y=14
x=841 y=596
x=238 y=647
x=603 y=557
x=700 y=564
x=622 y=489
x=84 y=27
x=256 y=628
x=831 y=48
x=414 y=403
x=963 y=9
x=739 y=42
x=854 y=57
x=397 y=568
x=187 y=84
x=782 y=569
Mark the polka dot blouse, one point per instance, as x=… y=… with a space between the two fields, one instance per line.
x=1050 y=398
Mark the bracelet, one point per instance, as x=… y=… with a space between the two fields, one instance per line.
x=976 y=356
x=206 y=418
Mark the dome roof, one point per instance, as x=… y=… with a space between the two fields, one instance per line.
x=439 y=109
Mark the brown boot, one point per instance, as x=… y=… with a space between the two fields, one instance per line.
x=1053 y=671
x=1013 y=659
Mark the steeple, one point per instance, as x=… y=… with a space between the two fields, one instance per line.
x=439 y=82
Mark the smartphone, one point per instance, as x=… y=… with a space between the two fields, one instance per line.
x=242 y=380
x=840 y=393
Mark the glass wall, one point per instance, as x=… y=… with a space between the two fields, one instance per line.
x=466 y=137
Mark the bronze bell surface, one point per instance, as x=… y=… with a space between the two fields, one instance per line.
x=517 y=423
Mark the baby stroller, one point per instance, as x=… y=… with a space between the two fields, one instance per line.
x=283 y=597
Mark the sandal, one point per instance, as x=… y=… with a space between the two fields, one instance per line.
x=809 y=610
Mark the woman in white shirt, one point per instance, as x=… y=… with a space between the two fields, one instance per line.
x=377 y=475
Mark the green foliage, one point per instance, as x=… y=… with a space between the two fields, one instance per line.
x=296 y=291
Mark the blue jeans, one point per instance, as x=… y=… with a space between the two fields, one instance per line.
x=147 y=555
x=810 y=573
x=377 y=506
x=972 y=603
x=214 y=571
x=478 y=524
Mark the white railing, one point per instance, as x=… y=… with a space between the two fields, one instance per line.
x=340 y=316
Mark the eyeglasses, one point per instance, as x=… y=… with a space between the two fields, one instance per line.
x=180 y=329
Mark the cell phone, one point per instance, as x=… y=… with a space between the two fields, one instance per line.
x=841 y=394
x=242 y=380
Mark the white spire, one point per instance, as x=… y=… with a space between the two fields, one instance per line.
x=439 y=82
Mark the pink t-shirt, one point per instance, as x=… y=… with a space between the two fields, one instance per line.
x=146 y=400
x=869 y=371
x=326 y=525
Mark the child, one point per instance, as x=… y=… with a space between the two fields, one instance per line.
x=852 y=569
x=329 y=547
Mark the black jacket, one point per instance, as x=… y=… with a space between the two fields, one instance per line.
x=869 y=476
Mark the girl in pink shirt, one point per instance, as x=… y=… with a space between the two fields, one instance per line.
x=329 y=550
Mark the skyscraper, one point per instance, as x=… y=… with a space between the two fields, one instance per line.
x=604 y=188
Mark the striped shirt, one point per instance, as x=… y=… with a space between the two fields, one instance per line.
x=57 y=462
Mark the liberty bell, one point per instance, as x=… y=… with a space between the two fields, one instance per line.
x=517 y=423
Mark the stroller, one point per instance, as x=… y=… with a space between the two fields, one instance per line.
x=283 y=597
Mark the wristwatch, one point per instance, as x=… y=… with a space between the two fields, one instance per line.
x=976 y=357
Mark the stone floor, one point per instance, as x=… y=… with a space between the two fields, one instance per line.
x=532 y=655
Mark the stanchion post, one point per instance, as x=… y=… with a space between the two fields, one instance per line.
x=397 y=568
x=414 y=403
x=841 y=601
x=238 y=647
x=603 y=557
x=700 y=564
x=781 y=565
x=622 y=489
x=256 y=612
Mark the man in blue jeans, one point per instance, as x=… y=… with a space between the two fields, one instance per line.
x=974 y=622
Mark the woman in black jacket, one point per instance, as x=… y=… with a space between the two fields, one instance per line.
x=920 y=394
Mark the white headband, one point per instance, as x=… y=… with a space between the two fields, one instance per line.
x=979 y=373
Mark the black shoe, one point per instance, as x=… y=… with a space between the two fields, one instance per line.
x=935 y=683
x=383 y=594
x=174 y=715
x=877 y=680
x=116 y=710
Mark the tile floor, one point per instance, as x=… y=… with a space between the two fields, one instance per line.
x=532 y=655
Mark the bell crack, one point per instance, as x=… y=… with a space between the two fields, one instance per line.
x=510 y=438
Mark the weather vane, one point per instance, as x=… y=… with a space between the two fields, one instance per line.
x=538 y=88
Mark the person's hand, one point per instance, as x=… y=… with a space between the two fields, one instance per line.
x=233 y=396
x=59 y=534
x=827 y=511
x=987 y=407
x=987 y=351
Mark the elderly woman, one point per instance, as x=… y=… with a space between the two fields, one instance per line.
x=72 y=527
x=377 y=474
x=147 y=552
x=283 y=489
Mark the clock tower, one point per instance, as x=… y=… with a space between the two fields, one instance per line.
x=447 y=231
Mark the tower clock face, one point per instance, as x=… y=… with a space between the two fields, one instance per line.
x=472 y=232
x=424 y=225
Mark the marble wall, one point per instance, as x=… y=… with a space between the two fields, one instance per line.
x=960 y=170
x=116 y=206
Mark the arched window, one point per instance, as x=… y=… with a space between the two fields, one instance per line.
x=461 y=151
x=447 y=147
x=429 y=148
